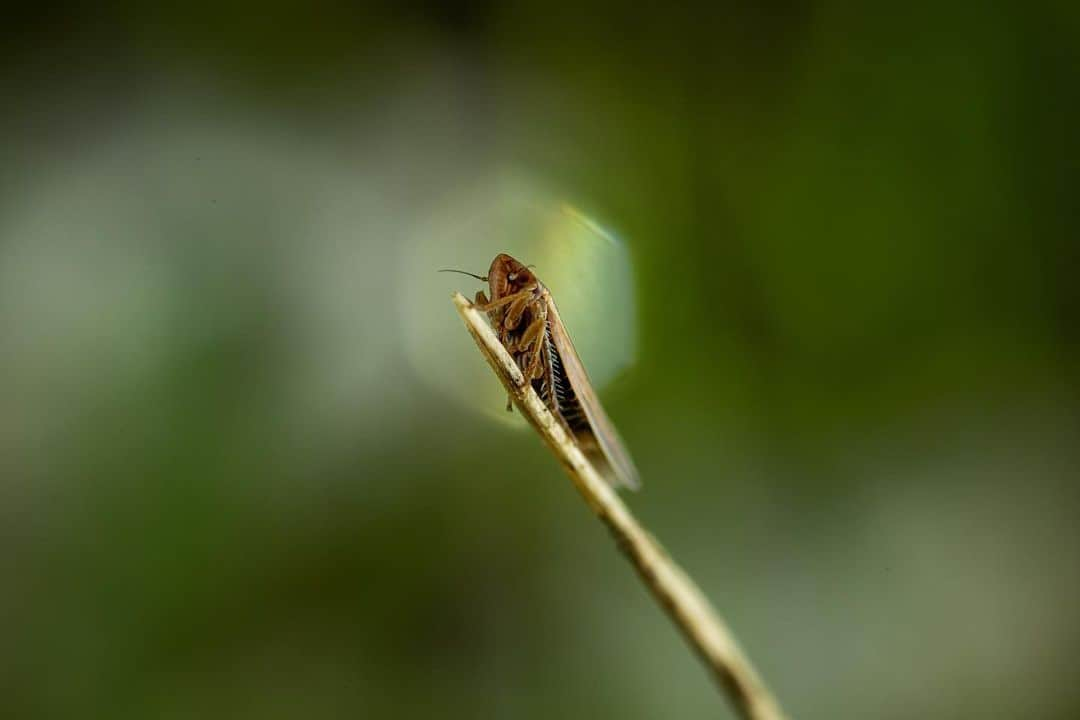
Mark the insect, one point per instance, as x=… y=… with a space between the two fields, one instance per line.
x=528 y=324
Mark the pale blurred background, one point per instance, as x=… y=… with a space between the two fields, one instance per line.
x=827 y=278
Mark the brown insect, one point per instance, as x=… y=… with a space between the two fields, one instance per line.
x=524 y=315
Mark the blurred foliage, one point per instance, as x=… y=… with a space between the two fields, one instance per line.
x=225 y=492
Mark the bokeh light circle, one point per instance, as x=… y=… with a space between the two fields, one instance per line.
x=587 y=268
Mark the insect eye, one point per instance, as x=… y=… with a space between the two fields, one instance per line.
x=512 y=277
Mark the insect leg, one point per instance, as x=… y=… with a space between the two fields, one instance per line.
x=515 y=311
x=535 y=370
x=505 y=300
x=531 y=334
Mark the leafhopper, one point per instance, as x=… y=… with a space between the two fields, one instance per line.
x=528 y=324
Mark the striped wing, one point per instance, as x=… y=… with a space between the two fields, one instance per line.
x=581 y=408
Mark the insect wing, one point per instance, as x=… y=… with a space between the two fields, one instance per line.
x=605 y=438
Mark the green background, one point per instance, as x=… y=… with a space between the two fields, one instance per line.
x=224 y=491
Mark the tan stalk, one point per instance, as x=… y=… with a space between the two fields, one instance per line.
x=672 y=588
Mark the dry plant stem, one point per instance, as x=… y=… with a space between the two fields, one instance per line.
x=673 y=589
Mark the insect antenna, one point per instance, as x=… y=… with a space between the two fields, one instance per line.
x=478 y=277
